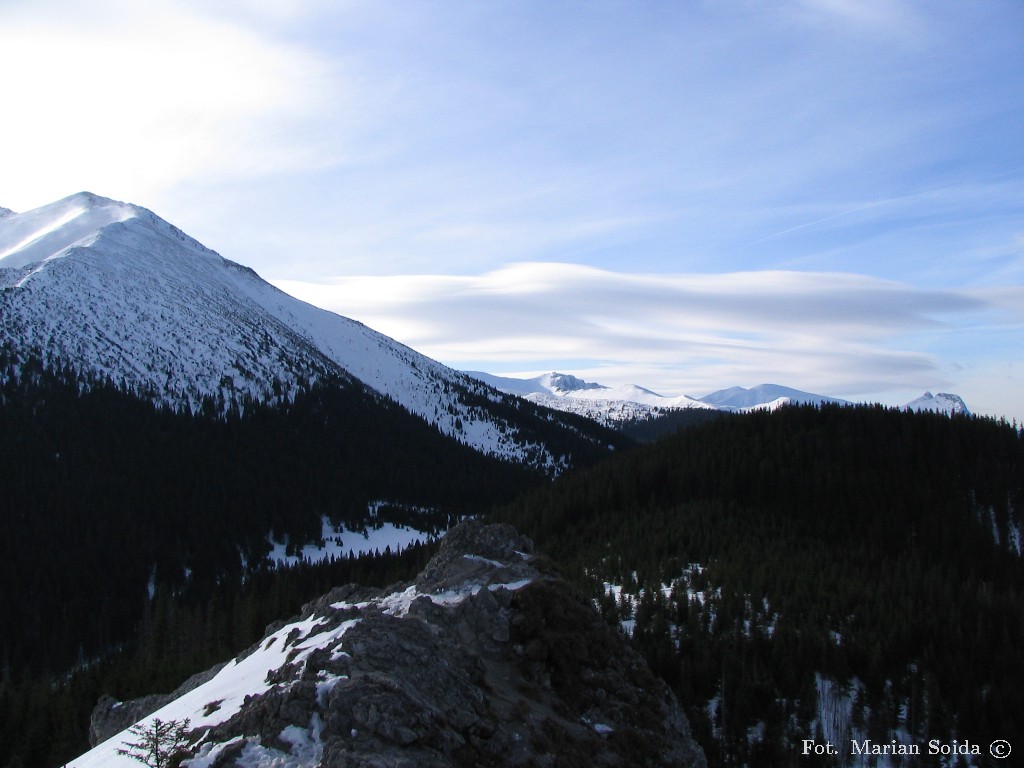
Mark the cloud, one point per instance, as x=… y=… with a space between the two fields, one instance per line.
x=129 y=101
x=886 y=19
x=835 y=330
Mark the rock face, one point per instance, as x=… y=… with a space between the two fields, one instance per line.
x=489 y=659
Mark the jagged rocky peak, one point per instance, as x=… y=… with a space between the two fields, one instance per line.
x=489 y=658
x=565 y=382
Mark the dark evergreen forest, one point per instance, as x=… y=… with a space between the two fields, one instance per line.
x=878 y=549
x=105 y=497
x=100 y=488
x=667 y=423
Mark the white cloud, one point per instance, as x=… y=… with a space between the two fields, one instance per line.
x=887 y=19
x=840 y=332
x=129 y=101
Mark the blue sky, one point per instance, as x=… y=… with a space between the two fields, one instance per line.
x=826 y=194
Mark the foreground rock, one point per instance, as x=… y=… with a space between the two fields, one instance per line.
x=488 y=659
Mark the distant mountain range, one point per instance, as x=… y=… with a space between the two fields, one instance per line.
x=613 y=405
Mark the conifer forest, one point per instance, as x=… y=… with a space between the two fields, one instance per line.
x=770 y=566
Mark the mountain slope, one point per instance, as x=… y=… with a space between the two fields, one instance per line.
x=113 y=289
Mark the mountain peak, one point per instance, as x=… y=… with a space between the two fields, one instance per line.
x=89 y=200
x=43 y=233
x=566 y=382
x=116 y=292
x=739 y=398
x=943 y=402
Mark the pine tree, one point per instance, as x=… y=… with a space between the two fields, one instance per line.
x=160 y=744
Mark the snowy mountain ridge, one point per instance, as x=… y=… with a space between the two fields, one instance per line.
x=614 y=405
x=764 y=396
x=115 y=291
x=606 y=405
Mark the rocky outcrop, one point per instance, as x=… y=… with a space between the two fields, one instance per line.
x=110 y=716
x=488 y=659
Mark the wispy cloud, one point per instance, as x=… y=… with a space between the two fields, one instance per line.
x=838 y=331
x=130 y=101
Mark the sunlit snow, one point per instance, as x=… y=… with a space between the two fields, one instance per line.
x=114 y=289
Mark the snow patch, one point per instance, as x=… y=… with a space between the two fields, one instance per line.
x=340 y=542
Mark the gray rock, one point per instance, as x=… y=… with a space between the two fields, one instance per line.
x=491 y=661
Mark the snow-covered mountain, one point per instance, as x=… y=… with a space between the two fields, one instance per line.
x=764 y=396
x=607 y=405
x=115 y=291
x=943 y=402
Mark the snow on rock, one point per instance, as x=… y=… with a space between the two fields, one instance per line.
x=221 y=698
x=463 y=667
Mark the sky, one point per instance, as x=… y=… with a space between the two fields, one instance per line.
x=686 y=195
